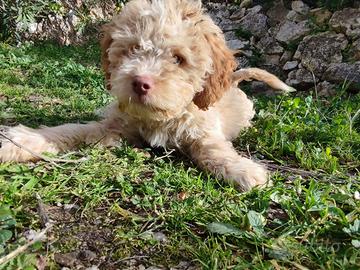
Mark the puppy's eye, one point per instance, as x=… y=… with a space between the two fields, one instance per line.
x=134 y=47
x=178 y=60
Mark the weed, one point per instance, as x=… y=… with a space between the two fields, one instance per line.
x=124 y=202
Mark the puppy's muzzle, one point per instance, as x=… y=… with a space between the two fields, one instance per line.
x=142 y=85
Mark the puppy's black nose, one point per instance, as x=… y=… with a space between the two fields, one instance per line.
x=142 y=84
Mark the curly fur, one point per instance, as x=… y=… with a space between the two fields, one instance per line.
x=194 y=105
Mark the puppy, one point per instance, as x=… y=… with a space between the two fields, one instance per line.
x=173 y=77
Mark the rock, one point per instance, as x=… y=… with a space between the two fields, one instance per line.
x=160 y=236
x=344 y=72
x=246 y=3
x=286 y=57
x=260 y=88
x=67 y=259
x=277 y=13
x=321 y=15
x=256 y=24
x=242 y=61
x=237 y=44
x=290 y=65
x=32 y=28
x=355 y=50
x=326 y=89
x=272 y=59
x=347 y=21
x=301 y=79
x=269 y=45
x=238 y=14
x=291 y=31
x=254 y=10
x=316 y=52
x=295 y=17
x=300 y=7
x=218 y=11
x=86 y=255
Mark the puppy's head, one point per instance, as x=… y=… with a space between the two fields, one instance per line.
x=161 y=55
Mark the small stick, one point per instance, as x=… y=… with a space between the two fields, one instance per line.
x=39 y=156
x=167 y=154
x=129 y=258
x=21 y=249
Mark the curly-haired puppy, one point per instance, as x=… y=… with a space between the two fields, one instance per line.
x=167 y=64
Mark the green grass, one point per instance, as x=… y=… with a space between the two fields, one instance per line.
x=125 y=199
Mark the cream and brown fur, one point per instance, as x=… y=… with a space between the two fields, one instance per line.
x=194 y=104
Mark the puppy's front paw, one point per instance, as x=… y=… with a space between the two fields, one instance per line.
x=20 y=143
x=251 y=174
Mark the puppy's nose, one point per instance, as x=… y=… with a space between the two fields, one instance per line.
x=142 y=84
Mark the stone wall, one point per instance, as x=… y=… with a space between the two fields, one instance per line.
x=306 y=46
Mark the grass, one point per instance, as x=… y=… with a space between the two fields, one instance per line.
x=125 y=203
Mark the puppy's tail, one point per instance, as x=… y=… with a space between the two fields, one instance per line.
x=248 y=74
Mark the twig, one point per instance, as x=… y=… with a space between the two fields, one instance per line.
x=304 y=173
x=168 y=153
x=130 y=258
x=21 y=249
x=42 y=157
x=290 y=169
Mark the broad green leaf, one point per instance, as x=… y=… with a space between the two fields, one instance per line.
x=256 y=221
x=223 y=228
x=5 y=235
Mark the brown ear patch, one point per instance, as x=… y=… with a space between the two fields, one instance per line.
x=105 y=43
x=219 y=81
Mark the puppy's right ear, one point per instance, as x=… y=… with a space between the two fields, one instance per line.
x=105 y=43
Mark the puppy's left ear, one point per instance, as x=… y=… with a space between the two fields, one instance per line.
x=105 y=43
x=220 y=80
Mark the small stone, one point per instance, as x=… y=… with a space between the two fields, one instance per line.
x=290 y=65
x=256 y=24
x=237 y=44
x=159 y=236
x=272 y=59
x=86 y=255
x=295 y=17
x=238 y=14
x=242 y=61
x=67 y=259
x=355 y=50
x=301 y=79
x=254 y=10
x=291 y=31
x=269 y=45
x=286 y=57
x=300 y=7
x=246 y=3
x=357 y=195
x=326 y=89
x=321 y=15
x=277 y=13
x=141 y=267
x=32 y=27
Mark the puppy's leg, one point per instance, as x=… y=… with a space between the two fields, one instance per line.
x=248 y=74
x=218 y=156
x=50 y=139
